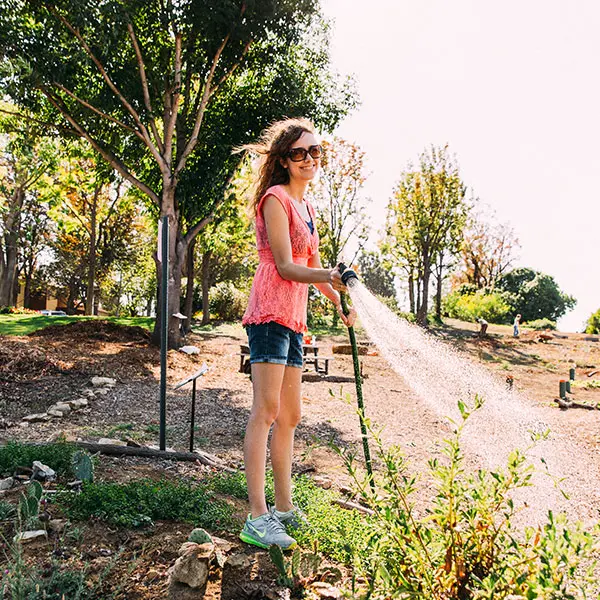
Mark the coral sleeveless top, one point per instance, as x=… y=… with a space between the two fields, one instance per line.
x=273 y=298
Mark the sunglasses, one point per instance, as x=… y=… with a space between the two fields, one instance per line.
x=300 y=154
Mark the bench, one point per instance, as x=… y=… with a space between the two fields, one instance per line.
x=320 y=363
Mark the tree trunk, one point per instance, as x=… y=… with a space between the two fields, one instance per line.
x=89 y=297
x=189 y=288
x=411 y=294
x=177 y=255
x=205 y=287
x=422 y=311
x=9 y=253
x=438 y=297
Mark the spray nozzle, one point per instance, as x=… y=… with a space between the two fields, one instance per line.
x=347 y=273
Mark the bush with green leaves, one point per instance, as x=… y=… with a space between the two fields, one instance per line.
x=542 y=324
x=464 y=545
x=139 y=503
x=227 y=302
x=491 y=306
x=58 y=456
x=593 y=323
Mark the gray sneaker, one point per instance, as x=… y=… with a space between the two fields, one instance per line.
x=293 y=518
x=266 y=530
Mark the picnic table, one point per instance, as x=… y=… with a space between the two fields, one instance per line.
x=310 y=353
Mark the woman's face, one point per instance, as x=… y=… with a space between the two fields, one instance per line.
x=306 y=169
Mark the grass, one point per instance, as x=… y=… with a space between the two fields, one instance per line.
x=26 y=324
x=57 y=456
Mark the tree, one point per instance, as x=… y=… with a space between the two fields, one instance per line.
x=137 y=79
x=26 y=159
x=488 y=251
x=593 y=323
x=425 y=221
x=535 y=295
x=337 y=194
x=376 y=275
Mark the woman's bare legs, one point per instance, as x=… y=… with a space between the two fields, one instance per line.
x=282 y=439
x=267 y=381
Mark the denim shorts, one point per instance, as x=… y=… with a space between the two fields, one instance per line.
x=274 y=343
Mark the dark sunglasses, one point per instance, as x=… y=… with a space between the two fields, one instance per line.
x=300 y=154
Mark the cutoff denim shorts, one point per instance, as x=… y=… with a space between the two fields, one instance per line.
x=274 y=343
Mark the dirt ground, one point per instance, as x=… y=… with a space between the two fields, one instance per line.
x=58 y=364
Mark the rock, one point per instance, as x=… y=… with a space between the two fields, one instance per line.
x=152 y=574
x=325 y=591
x=78 y=403
x=75 y=485
x=7 y=484
x=62 y=436
x=28 y=536
x=102 y=391
x=89 y=393
x=103 y=381
x=190 y=349
x=322 y=481
x=37 y=418
x=42 y=472
x=112 y=442
x=221 y=544
x=57 y=526
x=54 y=412
x=192 y=566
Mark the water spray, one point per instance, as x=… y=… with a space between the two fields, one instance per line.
x=348 y=279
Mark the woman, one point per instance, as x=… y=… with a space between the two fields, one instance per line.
x=275 y=320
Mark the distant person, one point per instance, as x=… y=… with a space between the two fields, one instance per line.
x=516 y=324
x=483 y=325
x=275 y=320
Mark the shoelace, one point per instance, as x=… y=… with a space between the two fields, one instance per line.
x=274 y=525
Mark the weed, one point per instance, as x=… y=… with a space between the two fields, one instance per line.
x=141 y=502
x=7 y=510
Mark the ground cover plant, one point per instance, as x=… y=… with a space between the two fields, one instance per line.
x=24 y=324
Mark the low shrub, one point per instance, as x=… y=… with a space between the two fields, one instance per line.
x=541 y=324
x=139 y=503
x=469 y=307
x=464 y=544
x=17 y=310
x=227 y=302
x=57 y=456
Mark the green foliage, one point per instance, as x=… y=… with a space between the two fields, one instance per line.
x=199 y=536
x=57 y=456
x=83 y=466
x=227 y=302
x=376 y=274
x=593 y=323
x=542 y=324
x=234 y=484
x=535 y=295
x=465 y=546
x=7 y=510
x=469 y=307
x=141 y=502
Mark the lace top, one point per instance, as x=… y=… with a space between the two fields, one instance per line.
x=273 y=298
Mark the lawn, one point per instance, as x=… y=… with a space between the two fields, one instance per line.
x=26 y=324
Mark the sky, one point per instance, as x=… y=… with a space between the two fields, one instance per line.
x=513 y=88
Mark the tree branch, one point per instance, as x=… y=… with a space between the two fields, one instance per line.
x=114 y=161
x=96 y=110
x=144 y=80
x=169 y=125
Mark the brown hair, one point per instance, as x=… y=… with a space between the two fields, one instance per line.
x=273 y=145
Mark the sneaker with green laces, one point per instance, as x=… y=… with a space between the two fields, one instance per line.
x=266 y=530
x=293 y=518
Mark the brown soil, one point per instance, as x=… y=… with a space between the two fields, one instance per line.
x=58 y=364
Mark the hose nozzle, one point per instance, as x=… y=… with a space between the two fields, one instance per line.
x=347 y=273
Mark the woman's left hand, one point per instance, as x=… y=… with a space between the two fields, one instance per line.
x=349 y=319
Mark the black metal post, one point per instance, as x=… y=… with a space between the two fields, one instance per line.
x=193 y=416
x=164 y=332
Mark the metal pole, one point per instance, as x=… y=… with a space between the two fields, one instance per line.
x=164 y=332
x=572 y=374
x=562 y=389
x=193 y=416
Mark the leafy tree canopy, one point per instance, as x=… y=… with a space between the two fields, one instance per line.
x=376 y=275
x=535 y=295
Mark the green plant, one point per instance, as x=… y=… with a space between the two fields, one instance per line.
x=139 y=503
x=469 y=307
x=542 y=324
x=227 y=302
x=7 y=510
x=83 y=466
x=57 y=456
x=464 y=546
x=593 y=323
x=199 y=536
x=586 y=384
x=29 y=505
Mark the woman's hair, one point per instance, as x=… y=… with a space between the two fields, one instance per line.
x=273 y=145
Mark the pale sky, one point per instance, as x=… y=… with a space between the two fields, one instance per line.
x=514 y=88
